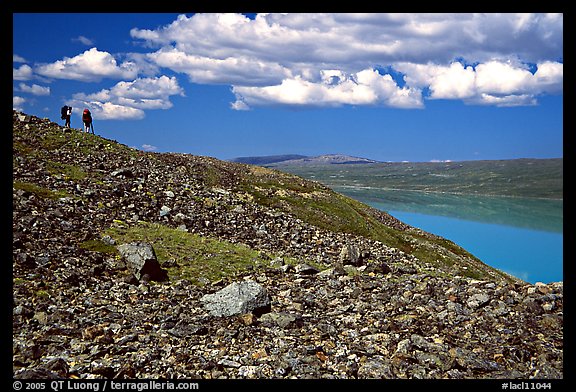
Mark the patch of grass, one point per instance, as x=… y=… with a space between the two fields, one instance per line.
x=21 y=148
x=211 y=176
x=55 y=140
x=39 y=191
x=98 y=246
x=42 y=294
x=71 y=172
x=327 y=210
x=196 y=258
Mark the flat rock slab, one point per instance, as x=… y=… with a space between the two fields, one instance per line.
x=238 y=298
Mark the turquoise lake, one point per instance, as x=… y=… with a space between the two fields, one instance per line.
x=523 y=237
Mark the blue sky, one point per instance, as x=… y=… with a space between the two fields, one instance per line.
x=390 y=87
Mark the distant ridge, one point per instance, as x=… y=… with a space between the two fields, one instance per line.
x=521 y=177
x=266 y=160
x=327 y=159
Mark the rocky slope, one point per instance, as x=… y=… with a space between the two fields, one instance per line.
x=353 y=292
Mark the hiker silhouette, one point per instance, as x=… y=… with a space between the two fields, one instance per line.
x=87 y=120
x=68 y=115
x=66 y=112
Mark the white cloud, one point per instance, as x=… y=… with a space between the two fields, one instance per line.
x=549 y=77
x=24 y=72
x=505 y=100
x=128 y=100
x=501 y=78
x=239 y=104
x=90 y=66
x=454 y=81
x=110 y=111
x=162 y=86
x=335 y=88
x=304 y=59
x=388 y=92
x=323 y=60
x=83 y=40
x=491 y=83
x=366 y=38
x=18 y=59
x=229 y=70
x=149 y=147
x=34 y=89
x=18 y=103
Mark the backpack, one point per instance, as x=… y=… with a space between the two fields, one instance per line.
x=87 y=116
x=63 y=112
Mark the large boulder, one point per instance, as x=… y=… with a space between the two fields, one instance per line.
x=141 y=260
x=238 y=298
x=351 y=255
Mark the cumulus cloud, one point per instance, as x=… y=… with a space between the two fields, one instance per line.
x=112 y=111
x=331 y=59
x=229 y=70
x=24 y=72
x=494 y=82
x=334 y=88
x=129 y=100
x=162 y=86
x=18 y=103
x=34 y=89
x=361 y=38
x=91 y=66
x=18 y=59
x=454 y=81
x=397 y=60
x=505 y=100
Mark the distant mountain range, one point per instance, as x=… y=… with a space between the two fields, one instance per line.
x=299 y=160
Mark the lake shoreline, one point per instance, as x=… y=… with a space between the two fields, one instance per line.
x=444 y=193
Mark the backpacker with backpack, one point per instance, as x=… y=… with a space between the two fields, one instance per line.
x=87 y=119
x=87 y=116
x=64 y=112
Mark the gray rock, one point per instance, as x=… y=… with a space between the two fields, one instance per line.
x=238 y=298
x=141 y=260
x=478 y=300
x=24 y=118
x=350 y=254
x=165 y=210
x=277 y=262
x=124 y=172
x=305 y=269
x=375 y=368
x=469 y=360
